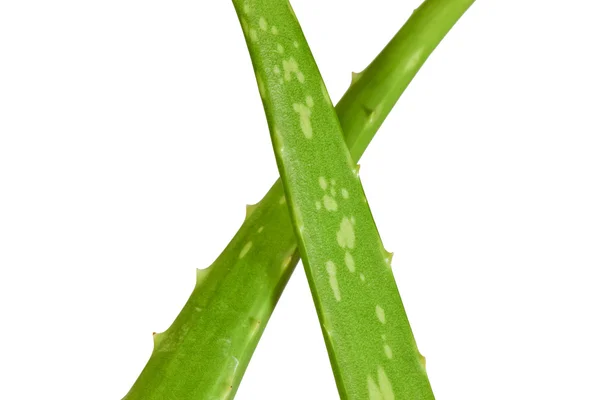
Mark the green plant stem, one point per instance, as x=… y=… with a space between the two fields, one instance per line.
x=204 y=353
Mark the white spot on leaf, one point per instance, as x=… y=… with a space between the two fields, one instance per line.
x=380 y=314
x=262 y=23
x=304 y=114
x=290 y=67
x=374 y=393
x=329 y=203
x=381 y=391
x=333 y=282
x=253 y=35
x=388 y=351
x=323 y=182
x=245 y=249
x=385 y=386
x=349 y=260
x=345 y=236
x=309 y=101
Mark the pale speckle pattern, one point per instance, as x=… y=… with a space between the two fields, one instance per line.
x=388 y=351
x=381 y=391
x=276 y=70
x=247 y=8
x=280 y=49
x=253 y=35
x=318 y=205
x=304 y=114
x=333 y=282
x=385 y=386
x=261 y=229
x=349 y=260
x=198 y=309
x=323 y=182
x=291 y=67
x=333 y=191
x=345 y=236
x=245 y=249
x=296 y=45
x=380 y=314
x=262 y=23
x=330 y=203
x=282 y=200
x=374 y=393
x=362 y=277
x=345 y=193
x=309 y=101
x=274 y=30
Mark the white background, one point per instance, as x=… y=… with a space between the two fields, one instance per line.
x=132 y=135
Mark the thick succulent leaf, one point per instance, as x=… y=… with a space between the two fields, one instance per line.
x=204 y=354
x=370 y=343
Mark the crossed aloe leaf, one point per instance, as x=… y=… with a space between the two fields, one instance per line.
x=317 y=211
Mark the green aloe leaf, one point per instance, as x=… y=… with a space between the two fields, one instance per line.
x=204 y=353
x=370 y=343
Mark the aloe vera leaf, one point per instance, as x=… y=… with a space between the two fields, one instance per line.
x=366 y=330
x=204 y=353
